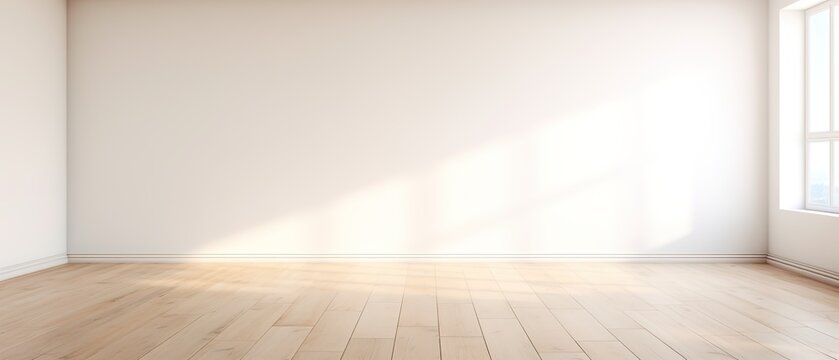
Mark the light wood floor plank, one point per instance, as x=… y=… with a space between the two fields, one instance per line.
x=254 y=322
x=787 y=346
x=832 y=315
x=387 y=293
x=379 y=320
x=417 y=343
x=565 y=356
x=545 y=332
x=351 y=300
x=583 y=326
x=815 y=339
x=491 y=305
x=420 y=310
x=789 y=311
x=644 y=345
x=607 y=312
x=224 y=350
x=506 y=340
x=332 y=332
x=556 y=297
x=463 y=348
x=680 y=338
x=753 y=311
x=453 y=291
x=731 y=318
x=304 y=355
x=197 y=334
x=279 y=343
x=696 y=320
x=458 y=320
x=828 y=327
x=744 y=348
x=607 y=350
x=307 y=309
x=145 y=338
x=369 y=349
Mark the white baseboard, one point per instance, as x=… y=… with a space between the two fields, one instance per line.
x=813 y=272
x=8 y=272
x=180 y=258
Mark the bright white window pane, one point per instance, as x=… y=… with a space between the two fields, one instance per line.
x=818 y=173
x=836 y=67
x=818 y=71
x=836 y=173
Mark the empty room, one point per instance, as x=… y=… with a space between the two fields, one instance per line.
x=419 y=179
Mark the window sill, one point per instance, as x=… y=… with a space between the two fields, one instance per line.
x=812 y=212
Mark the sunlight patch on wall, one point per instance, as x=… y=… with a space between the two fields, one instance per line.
x=571 y=151
x=586 y=183
x=475 y=185
x=670 y=158
x=375 y=220
x=589 y=218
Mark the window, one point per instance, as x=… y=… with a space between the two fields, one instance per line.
x=822 y=111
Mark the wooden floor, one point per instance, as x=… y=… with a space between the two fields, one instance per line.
x=475 y=310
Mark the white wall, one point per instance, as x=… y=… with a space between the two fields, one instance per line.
x=806 y=237
x=417 y=127
x=32 y=135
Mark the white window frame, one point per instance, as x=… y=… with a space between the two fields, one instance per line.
x=831 y=136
